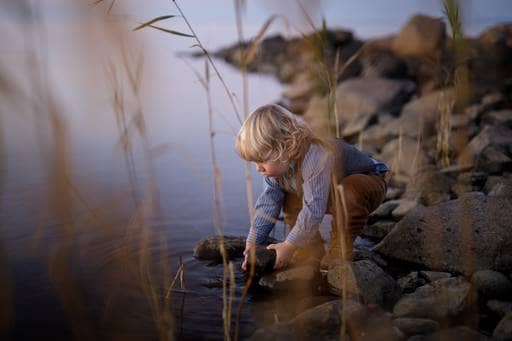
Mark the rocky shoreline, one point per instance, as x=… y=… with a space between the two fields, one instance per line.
x=447 y=217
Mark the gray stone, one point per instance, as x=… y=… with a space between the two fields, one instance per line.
x=492 y=284
x=383 y=211
x=503 y=188
x=404 y=207
x=429 y=186
x=496 y=118
x=411 y=282
x=503 y=330
x=365 y=254
x=499 y=308
x=432 y=276
x=209 y=248
x=394 y=193
x=444 y=299
x=412 y=326
x=323 y=322
x=378 y=229
x=456 y=333
x=381 y=62
x=464 y=235
x=365 y=279
x=404 y=156
x=298 y=278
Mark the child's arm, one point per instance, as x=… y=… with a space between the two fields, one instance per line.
x=316 y=173
x=266 y=211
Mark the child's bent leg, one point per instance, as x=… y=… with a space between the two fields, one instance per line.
x=361 y=194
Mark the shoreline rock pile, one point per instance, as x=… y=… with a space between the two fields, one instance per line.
x=442 y=266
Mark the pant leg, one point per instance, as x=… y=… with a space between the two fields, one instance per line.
x=362 y=194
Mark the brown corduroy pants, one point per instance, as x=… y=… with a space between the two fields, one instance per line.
x=360 y=194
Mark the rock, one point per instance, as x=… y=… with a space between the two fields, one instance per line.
x=498 y=118
x=412 y=326
x=492 y=140
x=365 y=97
x=209 y=248
x=313 y=301
x=441 y=300
x=404 y=156
x=455 y=333
x=492 y=284
x=421 y=36
x=499 y=186
x=381 y=62
x=465 y=235
x=378 y=230
x=421 y=115
x=383 y=211
x=363 y=278
x=503 y=188
x=404 y=207
x=324 y=323
x=295 y=278
x=264 y=261
x=499 y=308
x=365 y=254
x=429 y=186
x=394 y=193
x=503 y=330
x=411 y=282
x=432 y=276
x=469 y=182
x=380 y=134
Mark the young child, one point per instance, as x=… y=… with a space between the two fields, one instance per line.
x=298 y=170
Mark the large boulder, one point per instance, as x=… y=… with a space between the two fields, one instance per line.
x=363 y=278
x=421 y=36
x=464 y=235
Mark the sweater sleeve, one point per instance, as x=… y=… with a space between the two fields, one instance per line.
x=266 y=211
x=316 y=174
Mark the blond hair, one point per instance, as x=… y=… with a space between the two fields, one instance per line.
x=272 y=133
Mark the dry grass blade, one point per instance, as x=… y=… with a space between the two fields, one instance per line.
x=170 y=31
x=152 y=21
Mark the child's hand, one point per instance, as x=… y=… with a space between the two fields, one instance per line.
x=284 y=253
x=247 y=254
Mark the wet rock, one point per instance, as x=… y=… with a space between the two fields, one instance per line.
x=503 y=330
x=209 y=248
x=295 y=278
x=499 y=308
x=441 y=300
x=492 y=284
x=464 y=235
x=264 y=261
x=412 y=326
x=365 y=279
x=421 y=36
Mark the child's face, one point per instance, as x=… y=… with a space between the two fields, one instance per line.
x=272 y=168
